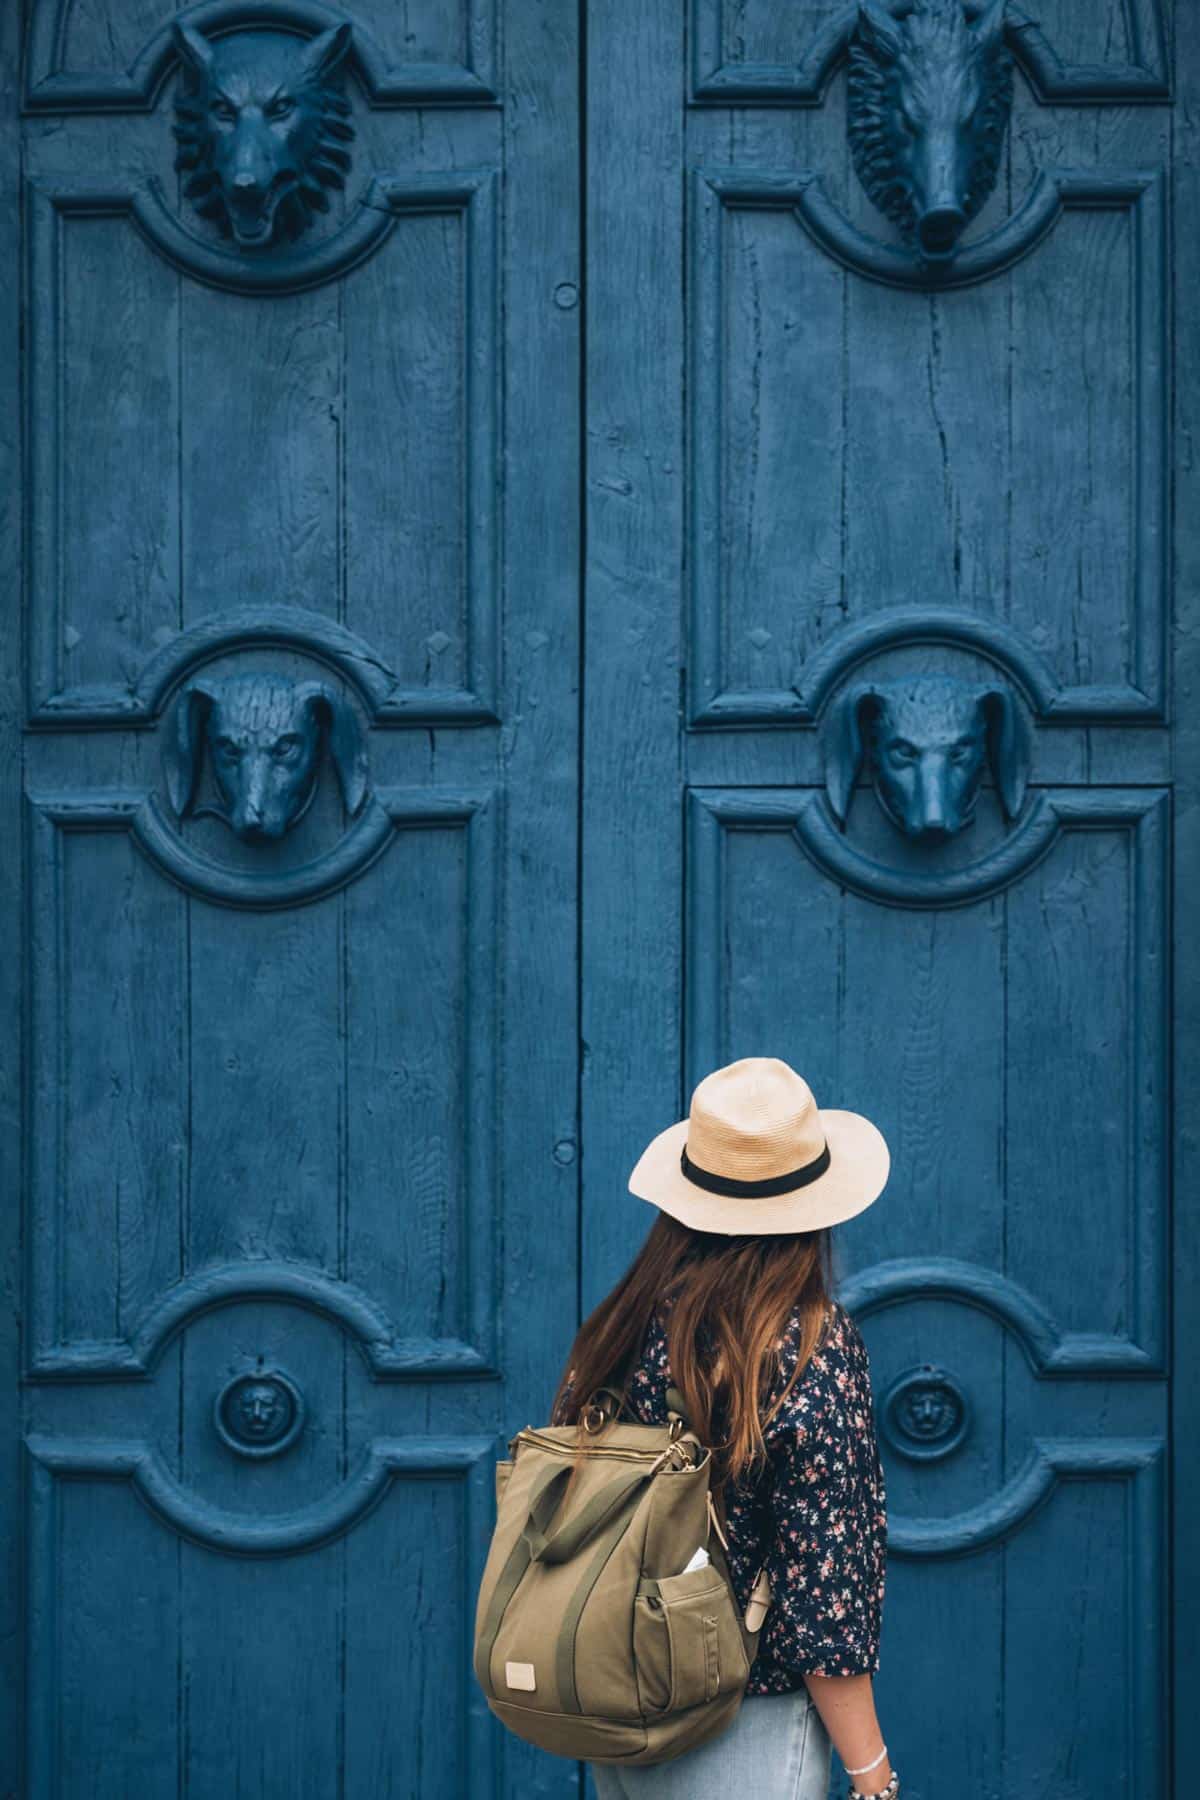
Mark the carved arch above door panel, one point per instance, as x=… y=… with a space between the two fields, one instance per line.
x=57 y=80
x=744 y=431
x=722 y=80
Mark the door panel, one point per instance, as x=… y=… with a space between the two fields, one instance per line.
x=299 y=811
x=871 y=501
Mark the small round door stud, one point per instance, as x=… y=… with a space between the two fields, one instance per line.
x=925 y=1413
x=259 y=1414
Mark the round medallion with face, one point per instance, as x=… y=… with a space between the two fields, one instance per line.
x=925 y=1413
x=259 y=1414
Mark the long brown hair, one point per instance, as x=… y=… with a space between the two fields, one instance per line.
x=724 y=1302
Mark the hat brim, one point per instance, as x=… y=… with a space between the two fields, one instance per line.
x=859 y=1161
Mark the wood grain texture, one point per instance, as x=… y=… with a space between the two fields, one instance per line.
x=12 y=877
x=610 y=431
x=326 y=1126
x=1185 y=1028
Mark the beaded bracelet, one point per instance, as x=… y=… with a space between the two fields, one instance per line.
x=888 y=1793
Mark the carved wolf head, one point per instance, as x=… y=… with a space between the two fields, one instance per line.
x=264 y=734
x=262 y=129
x=930 y=95
x=929 y=739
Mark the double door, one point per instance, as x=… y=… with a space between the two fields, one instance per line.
x=530 y=579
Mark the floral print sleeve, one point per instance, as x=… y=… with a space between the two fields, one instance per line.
x=825 y=1530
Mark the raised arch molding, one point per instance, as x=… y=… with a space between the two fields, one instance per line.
x=145 y=818
x=1050 y=1461
x=1048 y=813
x=51 y=88
x=248 y=628
x=1053 y=80
x=1049 y=1350
x=1050 y=193
x=278 y=271
x=388 y=1355
x=384 y=1461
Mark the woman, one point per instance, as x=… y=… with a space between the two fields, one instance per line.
x=729 y=1300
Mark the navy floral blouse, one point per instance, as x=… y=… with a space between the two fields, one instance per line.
x=816 y=1515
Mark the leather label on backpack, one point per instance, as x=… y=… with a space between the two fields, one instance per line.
x=520 y=1675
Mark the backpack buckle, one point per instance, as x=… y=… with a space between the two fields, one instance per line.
x=594 y=1419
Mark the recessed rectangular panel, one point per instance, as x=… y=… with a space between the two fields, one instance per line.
x=309 y=1088
x=353 y=1658
x=1009 y=1048
x=1084 y=1640
x=408 y=422
x=332 y=451
x=1075 y=520
x=104 y=418
x=783 y=472
x=412 y=1723
x=265 y=1075
x=259 y=449
x=420 y=968
x=1086 y=1077
x=109 y=1112
x=866 y=1001
x=858 y=447
x=105 y=1691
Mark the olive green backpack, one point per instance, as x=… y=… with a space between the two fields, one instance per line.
x=592 y=1637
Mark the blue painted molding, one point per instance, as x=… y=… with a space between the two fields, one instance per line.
x=712 y=702
x=141 y=703
x=718 y=81
x=804 y=814
x=1050 y=194
x=1050 y=1461
x=253 y=1534
x=288 y=270
x=386 y=1463
x=1048 y=813
x=955 y=627
x=1049 y=1350
x=52 y=699
x=51 y=88
x=390 y=1355
x=144 y=816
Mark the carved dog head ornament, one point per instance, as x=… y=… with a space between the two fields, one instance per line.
x=929 y=100
x=264 y=734
x=262 y=129
x=929 y=738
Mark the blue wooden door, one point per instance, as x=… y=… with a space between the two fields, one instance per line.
x=377 y=887
x=882 y=728
x=294 y=688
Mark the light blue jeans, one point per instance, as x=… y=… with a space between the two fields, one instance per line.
x=776 y=1749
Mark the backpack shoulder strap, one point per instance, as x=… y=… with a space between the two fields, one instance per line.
x=676 y=1404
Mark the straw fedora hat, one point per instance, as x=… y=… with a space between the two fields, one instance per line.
x=756 y=1154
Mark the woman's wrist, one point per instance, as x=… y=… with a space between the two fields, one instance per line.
x=888 y=1791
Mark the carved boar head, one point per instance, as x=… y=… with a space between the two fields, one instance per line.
x=929 y=100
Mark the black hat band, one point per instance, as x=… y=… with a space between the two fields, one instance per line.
x=754 y=1190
